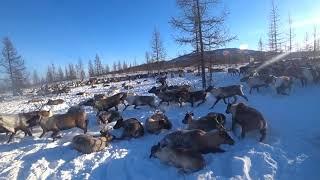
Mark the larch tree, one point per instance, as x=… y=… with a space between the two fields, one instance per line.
x=290 y=34
x=306 y=42
x=60 y=75
x=91 y=72
x=114 y=66
x=158 y=51
x=35 y=78
x=81 y=74
x=200 y=28
x=274 y=34
x=50 y=74
x=314 y=39
x=72 y=72
x=13 y=66
x=98 y=68
x=106 y=69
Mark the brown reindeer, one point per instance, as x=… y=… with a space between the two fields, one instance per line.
x=248 y=118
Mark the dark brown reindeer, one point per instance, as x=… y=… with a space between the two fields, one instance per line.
x=248 y=118
x=206 y=123
x=186 y=160
x=198 y=140
x=132 y=128
x=157 y=122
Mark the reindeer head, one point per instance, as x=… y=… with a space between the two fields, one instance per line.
x=223 y=133
x=154 y=149
x=188 y=118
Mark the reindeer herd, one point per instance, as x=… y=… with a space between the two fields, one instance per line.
x=181 y=148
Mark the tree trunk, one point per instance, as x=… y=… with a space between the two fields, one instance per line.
x=203 y=70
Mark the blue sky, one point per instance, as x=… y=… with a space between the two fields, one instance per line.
x=62 y=31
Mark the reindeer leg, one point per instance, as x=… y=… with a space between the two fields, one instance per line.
x=243 y=133
x=43 y=133
x=27 y=131
x=218 y=99
x=54 y=135
x=125 y=107
x=245 y=97
x=263 y=134
x=217 y=150
x=224 y=100
x=11 y=137
x=203 y=101
x=250 y=90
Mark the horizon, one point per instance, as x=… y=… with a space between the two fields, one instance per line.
x=61 y=32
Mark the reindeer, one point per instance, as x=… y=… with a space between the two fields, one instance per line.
x=75 y=117
x=157 y=122
x=207 y=123
x=198 y=140
x=140 y=101
x=110 y=102
x=226 y=92
x=132 y=128
x=88 y=144
x=186 y=160
x=248 y=118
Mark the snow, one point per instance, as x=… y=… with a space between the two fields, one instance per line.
x=290 y=151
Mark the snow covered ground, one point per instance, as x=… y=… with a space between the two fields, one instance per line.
x=291 y=150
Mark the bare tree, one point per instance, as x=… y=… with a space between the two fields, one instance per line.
x=200 y=28
x=124 y=65
x=314 y=39
x=50 y=74
x=60 y=75
x=66 y=73
x=91 y=69
x=35 y=78
x=306 y=42
x=114 y=66
x=274 y=31
x=158 y=51
x=98 y=68
x=81 y=74
x=72 y=72
x=13 y=66
x=119 y=66
x=291 y=33
x=260 y=45
x=106 y=69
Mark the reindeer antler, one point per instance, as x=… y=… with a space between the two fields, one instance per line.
x=220 y=127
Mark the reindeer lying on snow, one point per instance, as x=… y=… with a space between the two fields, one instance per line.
x=157 y=122
x=186 y=160
x=206 y=123
x=132 y=128
x=88 y=144
x=198 y=140
x=105 y=117
x=248 y=118
x=226 y=92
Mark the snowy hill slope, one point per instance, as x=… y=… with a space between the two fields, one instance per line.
x=291 y=150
